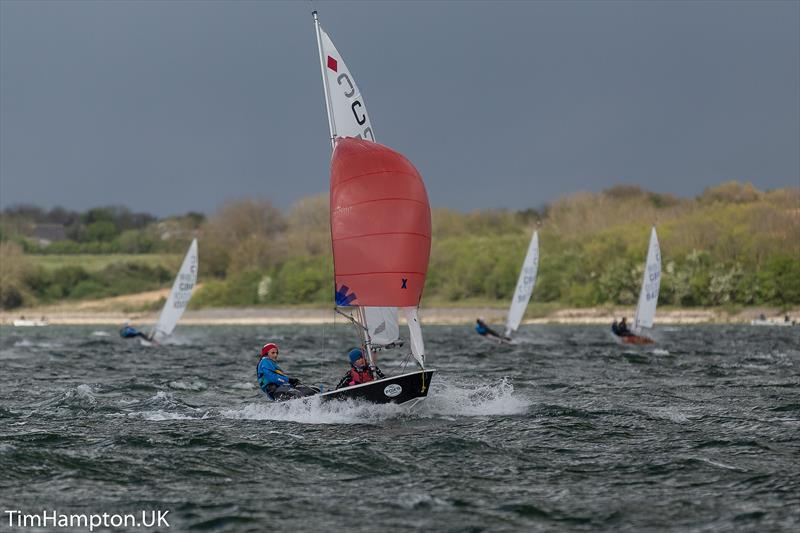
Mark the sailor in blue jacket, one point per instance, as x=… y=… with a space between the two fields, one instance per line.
x=129 y=332
x=273 y=381
x=482 y=329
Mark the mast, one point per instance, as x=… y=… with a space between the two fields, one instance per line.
x=328 y=105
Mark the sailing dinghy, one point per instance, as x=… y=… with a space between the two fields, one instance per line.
x=381 y=235
x=648 y=295
x=178 y=298
x=523 y=292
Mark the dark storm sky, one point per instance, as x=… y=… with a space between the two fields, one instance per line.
x=175 y=106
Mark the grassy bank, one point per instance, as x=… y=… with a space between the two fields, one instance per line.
x=97 y=262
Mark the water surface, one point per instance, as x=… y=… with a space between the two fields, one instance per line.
x=565 y=430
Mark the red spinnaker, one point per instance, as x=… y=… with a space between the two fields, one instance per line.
x=380 y=226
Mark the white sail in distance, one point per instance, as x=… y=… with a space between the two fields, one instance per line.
x=525 y=283
x=651 y=282
x=179 y=295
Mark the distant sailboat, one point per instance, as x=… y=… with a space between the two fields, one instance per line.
x=522 y=294
x=525 y=283
x=762 y=320
x=178 y=297
x=381 y=233
x=29 y=322
x=648 y=295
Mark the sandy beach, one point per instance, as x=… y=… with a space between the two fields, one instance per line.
x=114 y=311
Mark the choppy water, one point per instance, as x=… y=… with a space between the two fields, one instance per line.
x=564 y=431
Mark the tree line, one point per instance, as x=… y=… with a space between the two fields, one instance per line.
x=730 y=245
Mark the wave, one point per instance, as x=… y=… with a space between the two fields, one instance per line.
x=27 y=343
x=183 y=384
x=314 y=411
x=80 y=397
x=159 y=416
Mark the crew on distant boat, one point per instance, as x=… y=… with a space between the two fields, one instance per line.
x=486 y=331
x=621 y=329
x=129 y=332
x=360 y=371
x=273 y=381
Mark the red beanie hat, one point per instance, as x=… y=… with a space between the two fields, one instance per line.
x=267 y=347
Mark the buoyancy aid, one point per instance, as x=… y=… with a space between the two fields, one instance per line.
x=360 y=375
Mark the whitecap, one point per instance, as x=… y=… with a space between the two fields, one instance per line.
x=80 y=396
x=194 y=385
x=160 y=416
x=485 y=399
x=314 y=411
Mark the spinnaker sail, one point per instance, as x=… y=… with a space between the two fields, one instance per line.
x=651 y=282
x=525 y=284
x=380 y=226
x=179 y=295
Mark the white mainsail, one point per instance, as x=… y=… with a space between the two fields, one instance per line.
x=651 y=282
x=347 y=111
x=347 y=117
x=179 y=295
x=525 y=283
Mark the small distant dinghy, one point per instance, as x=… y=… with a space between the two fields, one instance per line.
x=23 y=322
x=777 y=322
x=178 y=298
x=522 y=293
x=648 y=295
x=381 y=236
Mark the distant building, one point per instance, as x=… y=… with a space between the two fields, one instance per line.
x=49 y=233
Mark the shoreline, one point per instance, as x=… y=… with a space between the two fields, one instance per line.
x=75 y=315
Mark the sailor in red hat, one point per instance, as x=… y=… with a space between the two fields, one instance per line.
x=274 y=381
